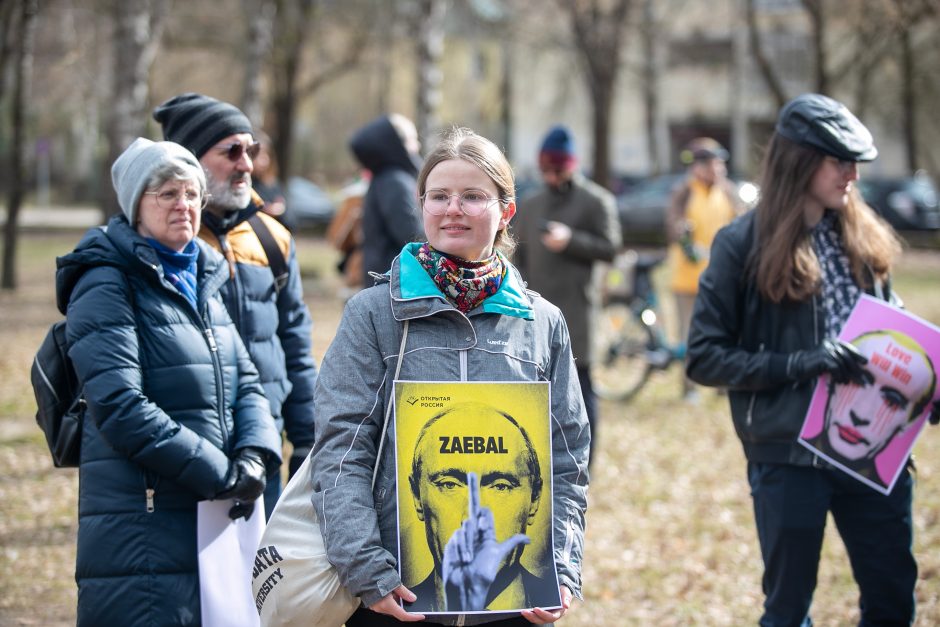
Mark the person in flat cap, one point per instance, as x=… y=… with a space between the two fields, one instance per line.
x=175 y=413
x=780 y=284
x=701 y=204
x=564 y=230
x=264 y=293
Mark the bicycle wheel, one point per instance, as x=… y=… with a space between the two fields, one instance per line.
x=621 y=343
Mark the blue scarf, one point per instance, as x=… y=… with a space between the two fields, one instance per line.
x=179 y=268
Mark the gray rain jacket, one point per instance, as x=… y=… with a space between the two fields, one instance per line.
x=514 y=336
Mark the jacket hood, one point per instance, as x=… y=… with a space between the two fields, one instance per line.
x=120 y=246
x=377 y=146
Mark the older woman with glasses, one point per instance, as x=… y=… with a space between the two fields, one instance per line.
x=175 y=411
x=451 y=309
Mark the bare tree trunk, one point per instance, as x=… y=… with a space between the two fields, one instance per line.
x=818 y=30
x=763 y=63
x=294 y=22
x=908 y=99
x=21 y=93
x=740 y=155
x=430 y=48
x=7 y=37
x=260 y=17
x=651 y=72
x=505 y=110
x=602 y=101
x=138 y=28
x=598 y=36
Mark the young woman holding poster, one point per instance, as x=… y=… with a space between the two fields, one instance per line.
x=450 y=309
x=780 y=285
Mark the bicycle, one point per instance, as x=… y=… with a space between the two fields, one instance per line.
x=630 y=343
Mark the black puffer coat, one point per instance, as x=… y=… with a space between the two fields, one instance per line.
x=171 y=396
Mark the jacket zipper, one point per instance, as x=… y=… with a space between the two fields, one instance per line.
x=150 y=492
x=217 y=369
x=750 y=406
x=462 y=354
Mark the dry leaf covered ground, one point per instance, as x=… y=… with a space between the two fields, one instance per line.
x=670 y=540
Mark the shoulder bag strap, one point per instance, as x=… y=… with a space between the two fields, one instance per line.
x=276 y=260
x=391 y=403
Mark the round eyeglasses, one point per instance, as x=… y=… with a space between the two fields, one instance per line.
x=168 y=199
x=471 y=202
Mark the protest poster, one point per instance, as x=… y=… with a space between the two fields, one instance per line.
x=869 y=430
x=226 y=551
x=473 y=463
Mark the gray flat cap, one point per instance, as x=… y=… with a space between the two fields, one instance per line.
x=827 y=125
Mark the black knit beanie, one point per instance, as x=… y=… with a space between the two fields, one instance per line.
x=198 y=122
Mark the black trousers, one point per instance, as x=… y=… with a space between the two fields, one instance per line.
x=790 y=508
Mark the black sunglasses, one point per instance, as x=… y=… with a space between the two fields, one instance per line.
x=235 y=151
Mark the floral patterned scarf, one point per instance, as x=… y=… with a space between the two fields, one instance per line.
x=464 y=283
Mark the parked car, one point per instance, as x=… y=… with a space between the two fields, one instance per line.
x=309 y=206
x=907 y=203
x=643 y=206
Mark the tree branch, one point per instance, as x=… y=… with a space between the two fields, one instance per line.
x=768 y=72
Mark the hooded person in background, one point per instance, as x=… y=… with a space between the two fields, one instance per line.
x=389 y=148
x=564 y=229
x=268 y=311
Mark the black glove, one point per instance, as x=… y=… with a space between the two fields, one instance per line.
x=246 y=476
x=839 y=359
x=242 y=509
x=935 y=413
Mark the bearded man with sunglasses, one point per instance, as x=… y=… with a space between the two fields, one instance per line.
x=268 y=310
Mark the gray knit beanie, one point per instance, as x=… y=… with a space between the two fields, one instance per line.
x=133 y=170
x=198 y=122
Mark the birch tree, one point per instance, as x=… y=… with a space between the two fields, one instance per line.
x=22 y=73
x=138 y=27
x=597 y=27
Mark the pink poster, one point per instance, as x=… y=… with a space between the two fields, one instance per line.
x=869 y=430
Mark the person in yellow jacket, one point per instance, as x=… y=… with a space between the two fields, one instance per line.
x=700 y=206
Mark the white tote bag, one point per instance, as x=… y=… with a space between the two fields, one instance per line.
x=293 y=582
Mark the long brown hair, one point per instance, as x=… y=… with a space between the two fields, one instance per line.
x=783 y=263
x=464 y=144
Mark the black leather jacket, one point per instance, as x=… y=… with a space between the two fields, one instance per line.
x=741 y=341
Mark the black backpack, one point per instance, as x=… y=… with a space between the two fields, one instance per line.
x=59 y=400
x=58 y=397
